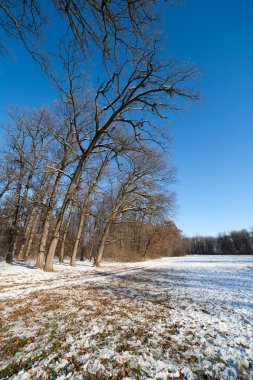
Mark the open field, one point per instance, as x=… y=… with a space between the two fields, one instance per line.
x=176 y=318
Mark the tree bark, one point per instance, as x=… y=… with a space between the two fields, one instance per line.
x=31 y=236
x=33 y=219
x=45 y=231
x=48 y=267
x=100 y=251
x=21 y=254
x=78 y=238
x=62 y=252
x=43 y=242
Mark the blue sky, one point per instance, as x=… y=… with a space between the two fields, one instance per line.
x=214 y=141
x=213 y=147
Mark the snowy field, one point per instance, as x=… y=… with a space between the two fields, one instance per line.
x=176 y=318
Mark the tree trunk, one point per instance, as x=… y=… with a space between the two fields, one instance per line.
x=33 y=219
x=72 y=187
x=78 y=237
x=48 y=267
x=82 y=254
x=15 y=223
x=21 y=254
x=62 y=252
x=42 y=249
x=45 y=231
x=100 y=251
x=9 y=258
x=31 y=237
x=152 y=234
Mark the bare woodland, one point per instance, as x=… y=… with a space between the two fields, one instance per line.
x=233 y=243
x=88 y=176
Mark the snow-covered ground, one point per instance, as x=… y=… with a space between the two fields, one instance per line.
x=176 y=318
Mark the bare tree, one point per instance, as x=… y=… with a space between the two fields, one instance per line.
x=34 y=214
x=135 y=94
x=68 y=221
x=137 y=189
x=29 y=137
x=233 y=243
x=63 y=161
x=143 y=87
x=93 y=181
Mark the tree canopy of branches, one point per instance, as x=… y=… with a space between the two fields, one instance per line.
x=105 y=25
x=96 y=158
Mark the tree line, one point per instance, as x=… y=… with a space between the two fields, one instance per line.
x=81 y=175
x=233 y=243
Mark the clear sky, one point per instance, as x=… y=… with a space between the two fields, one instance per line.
x=214 y=141
x=213 y=148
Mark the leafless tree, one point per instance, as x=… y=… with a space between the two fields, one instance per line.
x=143 y=87
x=92 y=182
x=66 y=228
x=137 y=189
x=29 y=137
x=233 y=243
x=135 y=94
x=64 y=160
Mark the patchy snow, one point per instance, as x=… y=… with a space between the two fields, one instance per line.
x=175 y=318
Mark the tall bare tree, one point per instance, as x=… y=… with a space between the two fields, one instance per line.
x=142 y=87
x=29 y=138
x=137 y=189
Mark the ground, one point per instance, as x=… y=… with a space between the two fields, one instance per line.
x=175 y=318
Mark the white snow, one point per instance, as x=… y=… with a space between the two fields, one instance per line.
x=175 y=318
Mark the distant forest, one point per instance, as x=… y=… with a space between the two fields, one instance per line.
x=233 y=243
